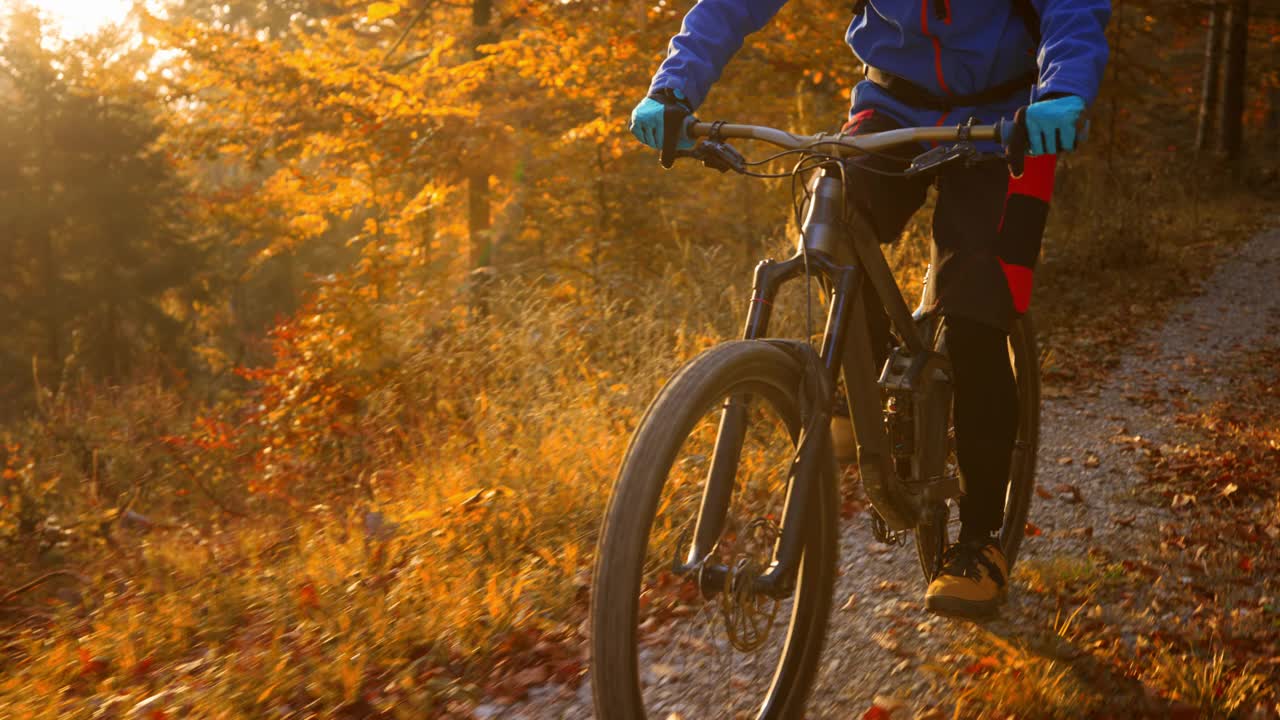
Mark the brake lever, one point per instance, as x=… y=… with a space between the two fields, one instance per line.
x=717 y=156
x=941 y=155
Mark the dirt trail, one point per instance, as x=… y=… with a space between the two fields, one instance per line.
x=884 y=642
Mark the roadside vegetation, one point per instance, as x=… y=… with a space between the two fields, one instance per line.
x=1186 y=624
x=326 y=329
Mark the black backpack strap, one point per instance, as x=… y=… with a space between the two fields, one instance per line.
x=913 y=95
x=1025 y=10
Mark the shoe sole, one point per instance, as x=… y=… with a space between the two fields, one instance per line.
x=967 y=609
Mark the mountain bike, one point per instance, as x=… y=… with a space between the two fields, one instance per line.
x=716 y=562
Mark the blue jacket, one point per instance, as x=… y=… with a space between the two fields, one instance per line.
x=960 y=48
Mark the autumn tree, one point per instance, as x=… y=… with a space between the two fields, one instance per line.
x=1211 y=86
x=100 y=262
x=1235 y=80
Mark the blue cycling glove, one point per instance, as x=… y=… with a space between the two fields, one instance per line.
x=1051 y=125
x=649 y=118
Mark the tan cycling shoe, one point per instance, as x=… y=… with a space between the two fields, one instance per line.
x=972 y=583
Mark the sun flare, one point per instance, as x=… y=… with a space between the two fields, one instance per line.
x=77 y=17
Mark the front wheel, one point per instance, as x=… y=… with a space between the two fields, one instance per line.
x=661 y=646
x=932 y=535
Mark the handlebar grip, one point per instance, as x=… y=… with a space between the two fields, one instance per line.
x=1016 y=141
x=674 y=121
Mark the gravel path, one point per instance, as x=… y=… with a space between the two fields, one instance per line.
x=880 y=644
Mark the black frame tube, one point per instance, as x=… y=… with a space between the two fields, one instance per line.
x=846 y=348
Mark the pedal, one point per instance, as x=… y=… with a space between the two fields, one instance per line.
x=880 y=530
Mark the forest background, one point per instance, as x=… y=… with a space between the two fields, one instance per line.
x=324 y=323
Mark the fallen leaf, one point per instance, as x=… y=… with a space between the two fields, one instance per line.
x=875 y=712
x=307 y=595
x=1032 y=530
x=531 y=676
x=1064 y=461
x=1092 y=461
x=888 y=703
x=663 y=670
x=1246 y=564
x=567 y=670
x=984 y=665
x=1230 y=488
x=1181 y=499
x=1069 y=493
x=850 y=603
x=1045 y=494
x=143 y=666
x=91 y=664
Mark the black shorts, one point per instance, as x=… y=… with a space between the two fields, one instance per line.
x=987 y=225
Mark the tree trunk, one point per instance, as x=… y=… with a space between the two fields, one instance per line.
x=1117 y=61
x=1233 y=89
x=1273 y=109
x=52 y=315
x=1273 y=120
x=1212 y=75
x=478 y=175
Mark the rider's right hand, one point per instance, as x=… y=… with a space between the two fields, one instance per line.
x=649 y=118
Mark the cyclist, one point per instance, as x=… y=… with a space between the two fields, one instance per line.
x=935 y=62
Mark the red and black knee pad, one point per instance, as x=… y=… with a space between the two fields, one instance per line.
x=1026 y=209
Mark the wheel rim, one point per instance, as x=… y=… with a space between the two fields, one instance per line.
x=717 y=656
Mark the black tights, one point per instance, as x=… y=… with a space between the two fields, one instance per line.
x=986 y=237
x=986 y=422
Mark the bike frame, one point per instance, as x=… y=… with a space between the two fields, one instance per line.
x=845 y=255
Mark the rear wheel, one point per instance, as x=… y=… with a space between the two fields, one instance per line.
x=660 y=646
x=933 y=535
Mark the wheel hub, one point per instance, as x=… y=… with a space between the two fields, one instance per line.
x=748 y=614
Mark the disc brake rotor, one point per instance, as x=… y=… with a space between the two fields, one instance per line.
x=748 y=615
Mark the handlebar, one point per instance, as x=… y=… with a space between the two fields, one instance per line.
x=1011 y=134
x=848 y=145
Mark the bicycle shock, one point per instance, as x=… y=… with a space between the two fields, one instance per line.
x=900 y=422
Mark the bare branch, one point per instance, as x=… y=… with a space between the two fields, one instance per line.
x=422 y=11
x=40 y=581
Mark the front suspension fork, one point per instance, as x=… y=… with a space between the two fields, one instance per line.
x=813 y=457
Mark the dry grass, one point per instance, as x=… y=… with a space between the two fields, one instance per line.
x=427 y=544
x=1011 y=680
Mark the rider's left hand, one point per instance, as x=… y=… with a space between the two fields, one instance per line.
x=1051 y=125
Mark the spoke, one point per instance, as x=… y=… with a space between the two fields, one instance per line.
x=688 y=663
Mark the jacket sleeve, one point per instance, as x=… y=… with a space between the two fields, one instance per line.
x=1073 y=47
x=711 y=33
